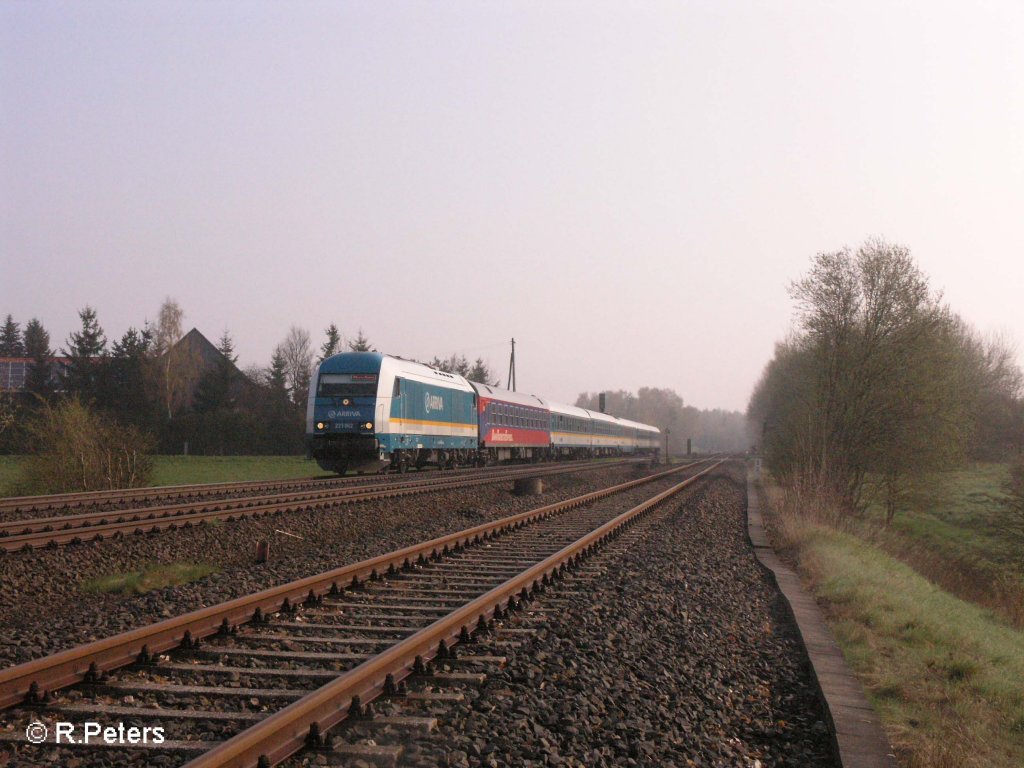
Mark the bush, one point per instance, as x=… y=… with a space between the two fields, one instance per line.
x=1014 y=500
x=1015 y=488
x=73 y=448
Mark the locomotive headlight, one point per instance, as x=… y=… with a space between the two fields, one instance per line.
x=346 y=401
x=369 y=425
x=320 y=425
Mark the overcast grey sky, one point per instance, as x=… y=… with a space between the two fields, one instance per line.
x=627 y=188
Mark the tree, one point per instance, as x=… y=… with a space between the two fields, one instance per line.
x=126 y=391
x=277 y=376
x=997 y=380
x=454 y=364
x=175 y=367
x=283 y=422
x=86 y=352
x=871 y=386
x=480 y=372
x=38 y=376
x=330 y=347
x=360 y=343
x=298 y=359
x=226 y=346
x=10 y=339
x=213 y=392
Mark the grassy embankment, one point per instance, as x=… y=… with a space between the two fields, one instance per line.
x=183 y=470
x=927 y=614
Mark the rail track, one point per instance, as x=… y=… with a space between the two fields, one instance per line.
x=34 y=533
x=110 y=500
x=255 y=679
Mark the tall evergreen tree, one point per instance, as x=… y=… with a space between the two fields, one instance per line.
x=360 y=343
x=277 y=378
x=87 y=352
x=10 y=339
x=37 y=348
x=213 y=392
x=480 y=372
x=124 y=392
x=226 y=346
x=330 y=347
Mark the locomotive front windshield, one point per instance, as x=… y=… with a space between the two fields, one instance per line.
x=347 y=385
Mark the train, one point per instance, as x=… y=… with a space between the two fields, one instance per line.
x=371 y=412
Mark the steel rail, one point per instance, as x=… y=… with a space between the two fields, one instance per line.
x=290 y=729
x=82 y=498
x=66 y=522
x=146 y=519
x=31 y=680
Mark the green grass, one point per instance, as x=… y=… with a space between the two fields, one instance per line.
x=185 y=470
x=149 y=578
x=955 y=530
x=960 y=511
x=10 y=466
x=946 y=675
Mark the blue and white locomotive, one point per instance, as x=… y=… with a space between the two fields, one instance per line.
x=369 y=412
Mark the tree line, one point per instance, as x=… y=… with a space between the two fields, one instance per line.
x=880 y=382
x=172 y=395
x=709 y=431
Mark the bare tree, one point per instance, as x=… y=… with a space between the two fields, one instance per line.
x=298 y=359
x=874 y=386
x=175 y=367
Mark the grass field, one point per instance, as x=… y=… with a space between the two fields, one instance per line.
x=925 y=615
x=182 y=470
x=9 y=468
x=957 y=533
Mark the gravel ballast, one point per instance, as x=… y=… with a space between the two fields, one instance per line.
x=674 y=651
x=44 y=607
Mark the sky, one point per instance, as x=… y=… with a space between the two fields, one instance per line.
x=626 y=188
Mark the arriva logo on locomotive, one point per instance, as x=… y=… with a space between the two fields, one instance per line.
x=433 y=402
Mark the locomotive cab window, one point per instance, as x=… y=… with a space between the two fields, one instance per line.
x=347 y=384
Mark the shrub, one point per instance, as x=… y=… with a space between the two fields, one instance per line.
x=73 y=448
x=1015 y=487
